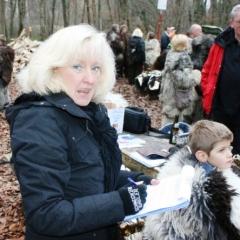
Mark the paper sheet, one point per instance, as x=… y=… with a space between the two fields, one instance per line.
x=170 y=194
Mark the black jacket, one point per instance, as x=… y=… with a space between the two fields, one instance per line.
x=137 y=50
x=61 y=172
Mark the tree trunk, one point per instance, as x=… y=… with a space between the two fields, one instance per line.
x=94 y=13
x=53 y=16
x=75 y=12
x=88 y=11
x=2 y=18
x=64 y=9
x=83 y=11
x=42 y=20
x=110 y=12
x=22 y=13
x=99 y=15
x=12 y=4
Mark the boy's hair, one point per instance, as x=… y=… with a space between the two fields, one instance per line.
x=204 y=134
x=179 y=42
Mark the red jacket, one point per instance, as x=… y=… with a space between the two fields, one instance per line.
x=210 y=73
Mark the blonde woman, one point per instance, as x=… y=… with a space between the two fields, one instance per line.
x=65 y=151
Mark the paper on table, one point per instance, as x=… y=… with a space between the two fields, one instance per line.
x=150 y=163
x=129 y=141
x=171 y=193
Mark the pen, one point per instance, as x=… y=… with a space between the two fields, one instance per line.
x=131 y=181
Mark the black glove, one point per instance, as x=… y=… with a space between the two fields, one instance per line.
x=145 y=178
x=133 y=198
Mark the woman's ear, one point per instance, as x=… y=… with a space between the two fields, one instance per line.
x=201 y=156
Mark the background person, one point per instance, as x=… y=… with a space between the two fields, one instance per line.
x=221 y=79
x=137 y=55
x=64 y=151
x=179 y=76
x=114 y=40
x=152 y=49
x=165 y=39
x=125 y=38
x=194 y=31
x=6 y=68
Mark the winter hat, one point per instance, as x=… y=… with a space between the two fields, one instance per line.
x=2 y=38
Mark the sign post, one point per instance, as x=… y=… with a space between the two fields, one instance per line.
x=162 y=5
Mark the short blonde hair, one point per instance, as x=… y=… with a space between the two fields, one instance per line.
x=179 y=42
x=204 y=134
x=137 y=33
x=63 y=49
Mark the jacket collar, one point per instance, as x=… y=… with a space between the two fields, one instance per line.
x=59 y=100
x=225 y=37
x=63 y=101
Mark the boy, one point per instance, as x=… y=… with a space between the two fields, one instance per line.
x=213 y=212
x=210 y=144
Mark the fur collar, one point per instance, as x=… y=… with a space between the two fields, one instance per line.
x=233 y=181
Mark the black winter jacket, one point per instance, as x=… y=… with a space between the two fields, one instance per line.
x=60 y=169
x=137 y=50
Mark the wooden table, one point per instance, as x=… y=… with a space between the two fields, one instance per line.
x=152 y=144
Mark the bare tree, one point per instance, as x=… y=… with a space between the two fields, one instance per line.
x=94 y=13
x=43 y=34
x=83 y=11
x=2 y=18
x=110 y=12
x=102 y=13
x=99 y=15
x=22 y=14
x=65 y=9
x=12 y=6
x=75 y=11
x=88 y=11
x=53 y=16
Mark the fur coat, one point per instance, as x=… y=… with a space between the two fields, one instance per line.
x=200 y=49
x=152 y=51
x=214 y=210
x=6 y=69
x=178 y=73
x=117 y=47
x=6 y=63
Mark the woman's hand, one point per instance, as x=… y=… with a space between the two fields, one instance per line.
x=147 y=179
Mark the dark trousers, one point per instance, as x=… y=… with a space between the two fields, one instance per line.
x=232 y=121
x=134 y=70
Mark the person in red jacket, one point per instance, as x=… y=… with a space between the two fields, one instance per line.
x=221 y=78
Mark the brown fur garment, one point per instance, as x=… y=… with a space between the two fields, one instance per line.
x=6 y=63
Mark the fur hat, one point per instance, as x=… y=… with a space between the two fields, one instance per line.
x=2 y=38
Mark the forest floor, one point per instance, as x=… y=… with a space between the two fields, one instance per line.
x=11 y=216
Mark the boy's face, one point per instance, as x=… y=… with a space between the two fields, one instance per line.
x=221 y=155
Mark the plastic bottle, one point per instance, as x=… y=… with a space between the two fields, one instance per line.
x=174 y=131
